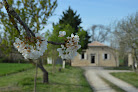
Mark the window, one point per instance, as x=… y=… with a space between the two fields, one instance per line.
x=105 y=56
x=82 y=56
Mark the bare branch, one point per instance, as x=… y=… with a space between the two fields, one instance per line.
x=14 y=23
x=99 y=33
x=55 y=43
x=11 y=12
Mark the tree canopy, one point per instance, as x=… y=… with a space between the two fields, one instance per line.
x=126 y=31
x=99 y=33
x=70 y=17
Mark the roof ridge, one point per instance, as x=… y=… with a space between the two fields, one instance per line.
x=96 y=43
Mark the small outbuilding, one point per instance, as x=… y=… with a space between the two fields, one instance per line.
x=97 y=54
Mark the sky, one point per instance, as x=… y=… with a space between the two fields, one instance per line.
x=92 y=12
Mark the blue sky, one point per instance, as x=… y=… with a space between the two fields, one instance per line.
x=95 y=11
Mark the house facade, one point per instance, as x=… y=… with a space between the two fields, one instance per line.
x=97 y=54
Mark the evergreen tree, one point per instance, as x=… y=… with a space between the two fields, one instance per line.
x=70 y=17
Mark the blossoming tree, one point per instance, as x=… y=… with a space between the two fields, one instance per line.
x=32 y=45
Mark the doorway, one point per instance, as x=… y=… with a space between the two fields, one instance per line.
x=92 y=58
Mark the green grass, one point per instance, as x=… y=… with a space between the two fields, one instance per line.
x=68 y=80
x=113 y=86
x=130 y=77
x=8 y=68
x=118 y=68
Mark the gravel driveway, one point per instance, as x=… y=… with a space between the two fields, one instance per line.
x=93 y=76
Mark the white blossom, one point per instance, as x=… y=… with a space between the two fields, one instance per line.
x=62 y=33
x=69 y=50
x=29 y=51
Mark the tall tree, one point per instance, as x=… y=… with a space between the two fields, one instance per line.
x=99 y=33
x=70 y=17
x=126 y=32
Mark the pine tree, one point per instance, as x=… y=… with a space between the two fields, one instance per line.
x=70 y=17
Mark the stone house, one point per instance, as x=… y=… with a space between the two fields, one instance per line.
x=97 y=54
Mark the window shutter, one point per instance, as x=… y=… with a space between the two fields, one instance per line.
x=103 y=56
x=85 y=56
x=108 y=56
x=79 y=56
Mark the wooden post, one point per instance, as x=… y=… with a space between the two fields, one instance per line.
x=35 y=78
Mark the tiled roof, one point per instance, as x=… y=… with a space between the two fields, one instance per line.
x=95 y=43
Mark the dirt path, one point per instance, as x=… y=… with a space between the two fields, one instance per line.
x=92 y=74
x=97 y=84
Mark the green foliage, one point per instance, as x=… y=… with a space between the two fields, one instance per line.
x=60 y=27
x=52 y=49
x=84 y=39
x=70 y=22
x=1 y=60
x=34 y=13
x=70 y=17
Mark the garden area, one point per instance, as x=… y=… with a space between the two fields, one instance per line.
x=70 y=79
x=38 y=38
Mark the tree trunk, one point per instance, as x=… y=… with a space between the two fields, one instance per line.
x=45 y=73
x=53 y=65
x=69 y=62
x=133 y=67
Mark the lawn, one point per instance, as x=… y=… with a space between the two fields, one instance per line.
x=130 y=77
x=8 y=68
x=118 y=68
x=70 y=79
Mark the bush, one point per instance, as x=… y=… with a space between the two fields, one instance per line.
x=2 y=60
